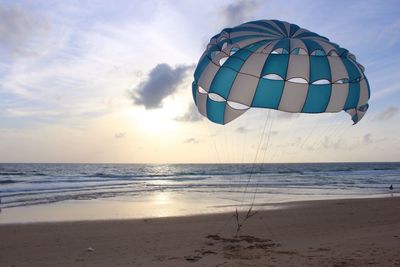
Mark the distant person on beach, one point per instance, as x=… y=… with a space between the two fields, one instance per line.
x=390 y=187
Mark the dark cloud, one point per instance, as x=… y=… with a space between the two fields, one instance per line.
x=191 y=141
x=120 y=135
x=19 y=28
x=239 y=12
x=163 y=81
x=389 y=113
x=191 y=115
x=367 y=138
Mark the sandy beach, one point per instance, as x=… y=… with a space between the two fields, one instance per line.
x=359 y=232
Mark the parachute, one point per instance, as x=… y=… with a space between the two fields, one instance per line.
x=277 y=65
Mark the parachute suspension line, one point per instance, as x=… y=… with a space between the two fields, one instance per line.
x=290 y=148
x=306 y=139
x=256 y=155
x=277 y=153
x=241 y=176
x=263 y=159
x=328 y=132
x=239 y=194
x=340 y=129
x=219 y=160
x=324 y=132
x=249 y=214
x=315 y=126
x=217 y=155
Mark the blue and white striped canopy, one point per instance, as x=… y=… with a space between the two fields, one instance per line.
x=277 y=65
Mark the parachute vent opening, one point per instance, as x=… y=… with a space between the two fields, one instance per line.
x=238 y=106
x=224 y=34
x=233 y=51
x=280 y=51
x=318 y=52
x=273 y=76
x=222 y=37
x=352 y=57
x=202 y=91
x=356 y=80
x=298 y=80
x=299 y=51
x=363 y=108
x=214 y=54
x=216 y=98
x=321 y=82
x=343 y=52
x=341 y=81
x=222 y=60
x=333 y=53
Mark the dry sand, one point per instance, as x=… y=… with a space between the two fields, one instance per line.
x=363 y=232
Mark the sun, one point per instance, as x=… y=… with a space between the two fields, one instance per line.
x=161 y=120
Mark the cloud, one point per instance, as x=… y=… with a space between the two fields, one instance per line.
x=339 y=143
x=367 y=138
x=191 y=141
x=386 y=90
x=239 y=12
x=19 y=29
x=390 y=33
x=387 y=114
x=163 y=80
x=330 y=143
x=191 y=115
x=120 y=135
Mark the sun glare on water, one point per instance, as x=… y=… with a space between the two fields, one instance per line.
x=162 y=198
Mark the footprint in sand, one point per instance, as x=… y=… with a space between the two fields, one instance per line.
x=192 y=258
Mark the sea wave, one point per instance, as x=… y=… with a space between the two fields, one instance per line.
x=12 y=173
x=31 y=184
x=8 y=181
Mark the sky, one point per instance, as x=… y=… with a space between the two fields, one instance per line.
x=110 y=82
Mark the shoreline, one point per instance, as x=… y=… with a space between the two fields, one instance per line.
x=45 y=210
x=345 y=232
x=30 y=214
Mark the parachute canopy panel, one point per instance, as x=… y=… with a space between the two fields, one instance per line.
x=277 y=65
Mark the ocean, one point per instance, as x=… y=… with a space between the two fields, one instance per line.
x=149 y=190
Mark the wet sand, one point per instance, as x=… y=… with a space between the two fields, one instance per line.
x=358 y=232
